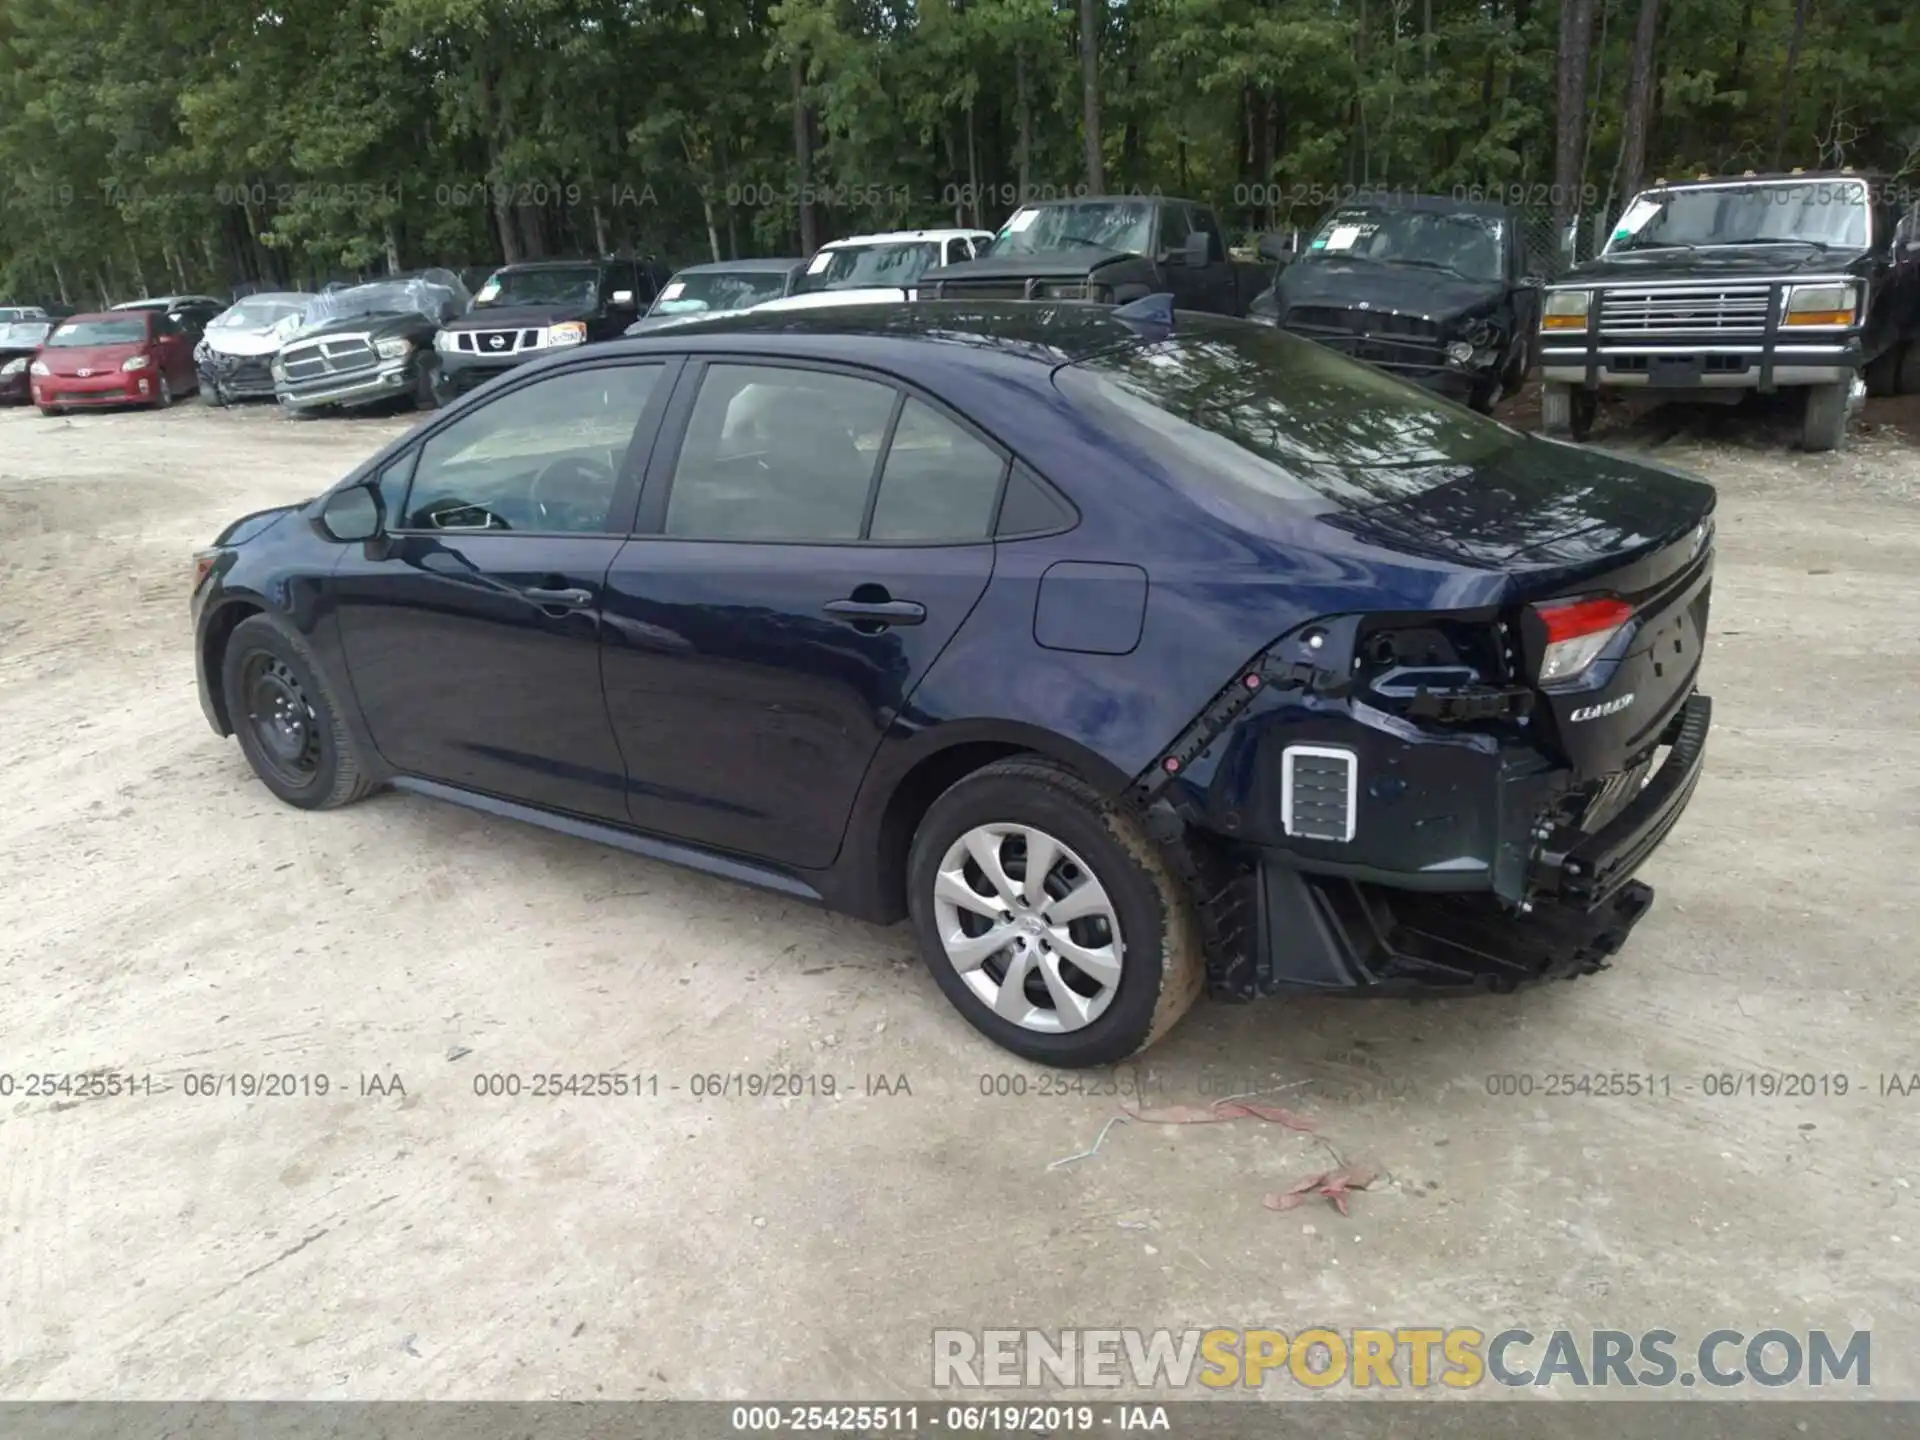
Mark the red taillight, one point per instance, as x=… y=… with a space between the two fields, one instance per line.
x=1583 y=617
x=1577 y=631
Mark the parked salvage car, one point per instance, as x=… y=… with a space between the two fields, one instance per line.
x=234 y=359
x=1714 y=289
x=526 y=309
x=1432 y=289
x=20 y=340
x=368 y=344
x=880 y=267
x=1127 y=654
x=1112 y=250
x=114 y=357
x=717 y=287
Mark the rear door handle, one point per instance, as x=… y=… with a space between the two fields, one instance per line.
x=877 y=612
x=570 y=598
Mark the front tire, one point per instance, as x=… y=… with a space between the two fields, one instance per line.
x=1825 y=424
x=164 y=400
x=284 y=715
x=1084 y=963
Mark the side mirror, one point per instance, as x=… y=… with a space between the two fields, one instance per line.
x=1273 y=246
x=351 y=514
x=1196 y=252
x=622 y=299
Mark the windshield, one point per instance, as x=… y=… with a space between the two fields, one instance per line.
x=384 y=297
x=24 y=332
x=99 y=332
x=1273 y=417
x=1468 y=245
x=718 y=290
x=1124 y=225
x=854 y=267
x=1823 y=212
x=563 y=285
x=261 y=312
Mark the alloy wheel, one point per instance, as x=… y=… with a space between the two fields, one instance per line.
x=1029 y=927
x=282 y=721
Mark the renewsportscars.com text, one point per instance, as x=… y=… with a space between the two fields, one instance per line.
x=1413 y=1357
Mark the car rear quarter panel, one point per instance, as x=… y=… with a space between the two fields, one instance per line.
x=1222 y=584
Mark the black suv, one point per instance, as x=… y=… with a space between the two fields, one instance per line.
x=1715 y=288
x=525 y=310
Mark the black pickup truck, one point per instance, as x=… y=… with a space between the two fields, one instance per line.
x=1111 y=249
x=527 y=309
x=1713 y=289
x=1432 y=289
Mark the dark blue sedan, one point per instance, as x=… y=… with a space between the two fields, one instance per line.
x=1130 y=654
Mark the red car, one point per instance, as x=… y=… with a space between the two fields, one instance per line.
x=124 y=357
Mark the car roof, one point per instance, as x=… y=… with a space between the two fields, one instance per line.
x=275 y=295
x=158 y=302
x=905 y=237
x=1435 y=204
x=755 y=264
x=579 y=262
x=1047 y=335
x=1774 y=177
x=119 y=312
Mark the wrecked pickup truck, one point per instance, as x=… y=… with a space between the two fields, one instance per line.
x=1431 y=289
x=1714 y=289
x=1109 y=249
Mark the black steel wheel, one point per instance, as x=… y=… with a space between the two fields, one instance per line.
x=284 y=716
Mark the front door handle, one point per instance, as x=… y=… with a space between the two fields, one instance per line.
x=877 y=612
x=571 y=599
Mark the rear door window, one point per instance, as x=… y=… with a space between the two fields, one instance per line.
x=778 y=453
x=940 y=482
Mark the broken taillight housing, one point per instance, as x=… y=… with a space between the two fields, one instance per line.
x=1576 y=632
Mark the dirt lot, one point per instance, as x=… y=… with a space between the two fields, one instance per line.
x=163 y=916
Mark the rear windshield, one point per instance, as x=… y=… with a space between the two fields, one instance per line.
x=99 y=332
x=1259 y=409
x=855 y=267
x=718 y=290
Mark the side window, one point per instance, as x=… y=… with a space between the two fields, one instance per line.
x=1216 y=244
x=1173 y=227
x=958 y=250
x=940 y=483
x=544 y=458
x=773 y=453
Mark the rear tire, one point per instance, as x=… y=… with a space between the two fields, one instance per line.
x=1567 y=411
x=1825 y=424
x=284 y=715
x=1145 y=965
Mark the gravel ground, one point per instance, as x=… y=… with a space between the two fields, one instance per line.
x=163 y=916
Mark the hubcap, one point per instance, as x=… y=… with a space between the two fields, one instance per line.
x=281 y=720
x=1028 y=927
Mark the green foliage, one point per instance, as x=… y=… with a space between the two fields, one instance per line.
x=144 y=146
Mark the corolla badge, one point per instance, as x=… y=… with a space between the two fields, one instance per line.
x=83 y=373
x=1605 y=707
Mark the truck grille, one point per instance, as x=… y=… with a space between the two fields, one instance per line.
x=496 y=342
x=1311 y=319
x=1317 y=787
x=983 y=290
x=1685 y=310
x=322 y=358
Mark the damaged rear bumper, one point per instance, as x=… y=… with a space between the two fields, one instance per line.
x=1274 y=922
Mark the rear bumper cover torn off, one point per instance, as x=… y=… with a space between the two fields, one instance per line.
x=1272 y=925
